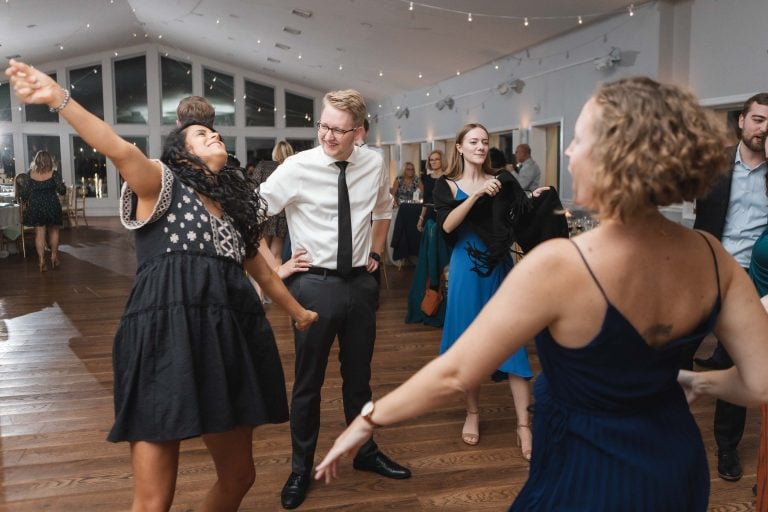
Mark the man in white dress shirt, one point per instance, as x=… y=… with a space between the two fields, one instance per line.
x=345 y=247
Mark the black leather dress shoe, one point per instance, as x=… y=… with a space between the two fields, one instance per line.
x=728 y=465
x=382 y=465
x=295 y=490
x=710 y=363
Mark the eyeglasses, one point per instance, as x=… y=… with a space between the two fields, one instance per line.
x=323 y=128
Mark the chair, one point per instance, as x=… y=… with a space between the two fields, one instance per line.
x=21 y=182
x=76 y=204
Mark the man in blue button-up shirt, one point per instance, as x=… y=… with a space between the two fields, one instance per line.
x=736 y=212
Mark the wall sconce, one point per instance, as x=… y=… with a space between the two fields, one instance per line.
x=445 y=102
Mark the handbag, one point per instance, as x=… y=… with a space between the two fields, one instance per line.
x=432 y=299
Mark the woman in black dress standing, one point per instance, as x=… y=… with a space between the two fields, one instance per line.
x=42 y=208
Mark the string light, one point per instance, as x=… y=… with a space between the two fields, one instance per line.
x=420 y=75
x=458 y=72
x=341 y=67
x=381 y=73
x=526 y=19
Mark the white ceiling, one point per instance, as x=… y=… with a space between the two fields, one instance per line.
x=364 y=37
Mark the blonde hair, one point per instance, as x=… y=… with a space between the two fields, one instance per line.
x=442 y=160
x=405 y=166
x=348 y=100
x=42 y=162
x=281 y=151
x=456 y=164
x=654 y=146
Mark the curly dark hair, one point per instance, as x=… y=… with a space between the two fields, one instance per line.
x=231 y=187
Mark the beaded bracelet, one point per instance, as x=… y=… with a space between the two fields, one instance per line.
x=63 y=103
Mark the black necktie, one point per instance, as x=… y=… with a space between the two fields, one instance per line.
x=344 y=255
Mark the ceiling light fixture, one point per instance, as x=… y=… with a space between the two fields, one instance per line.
x=513 y=84
x=282 y=46
x=302 y=13
x=445 y=102
x=402 y=113
x=292 y=31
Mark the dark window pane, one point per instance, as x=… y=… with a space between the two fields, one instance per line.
x=298 y=110
x=7 y=156
x=301 y=144
x=219 y=89
x=130 y=80
x=258 y=149
x=85 y=86
x=5 y=101
x=40 y=113
x=90 y=168
x=259 y=105
x=177 y=84
x=49 y=143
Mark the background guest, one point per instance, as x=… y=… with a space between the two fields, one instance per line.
x=42 y=208
x=528 y=172
x=404 y=186
x=276 y=227
x=435 y=169
x=736 y=212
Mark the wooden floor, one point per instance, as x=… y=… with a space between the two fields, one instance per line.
x=56 y=406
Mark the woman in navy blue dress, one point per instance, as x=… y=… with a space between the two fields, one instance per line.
x=612 y=310
x=194 y=354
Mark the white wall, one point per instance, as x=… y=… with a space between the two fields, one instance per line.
x=714 y=46
x=154 y=130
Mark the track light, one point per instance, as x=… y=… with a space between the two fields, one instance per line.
x=402 y=113
x=513 y=84
x=445 y=102
x=608 y=61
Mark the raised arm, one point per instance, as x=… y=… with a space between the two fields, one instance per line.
x=35 y=87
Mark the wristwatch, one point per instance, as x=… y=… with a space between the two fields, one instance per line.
x=366 y=413
x=375 y=256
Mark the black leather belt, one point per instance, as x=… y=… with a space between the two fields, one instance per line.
x=320 y=271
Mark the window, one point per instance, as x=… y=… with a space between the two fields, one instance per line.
x=7 y=159
x=49 y=143
x=40 y=113
x=301 y=144
x=259 y=105
x=130 y=79
x=90 y=168
x=85 y=86
x=258 y=149
x=229 y=143
x=5 y=101
x=219 y=89
x=299 y=111
x=177 y=84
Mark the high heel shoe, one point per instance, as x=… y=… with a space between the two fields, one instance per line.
x=471 y=438
x=525 y=451
x=43 y=266
x=55 y=263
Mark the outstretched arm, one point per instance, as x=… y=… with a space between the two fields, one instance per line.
x=141 y=174
x=479 y=350
x=273 y=286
